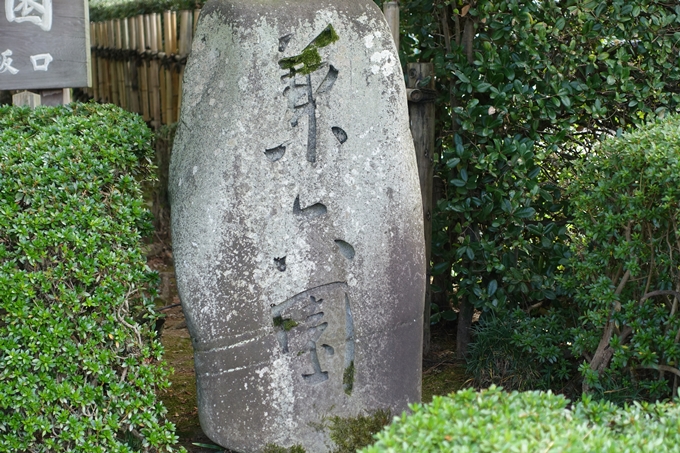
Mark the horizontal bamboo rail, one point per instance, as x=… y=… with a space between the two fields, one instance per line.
x=138 y=63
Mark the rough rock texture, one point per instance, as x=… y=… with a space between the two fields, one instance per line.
x=296 y=221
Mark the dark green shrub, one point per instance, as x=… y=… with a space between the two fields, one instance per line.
x=521 y=352
x=625 y=200
x=78 y=371
x=525 y=87
x=497 y=421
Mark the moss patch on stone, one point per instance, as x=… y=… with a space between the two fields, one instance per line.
x=309 y=60
x=286 y=324
x=348 y=378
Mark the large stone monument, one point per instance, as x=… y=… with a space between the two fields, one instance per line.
x=297 y=221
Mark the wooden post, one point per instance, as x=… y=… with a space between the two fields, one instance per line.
x=391 y=11
x=421 y=94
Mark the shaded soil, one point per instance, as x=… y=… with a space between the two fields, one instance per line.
x=180 y=397
x=442 y=372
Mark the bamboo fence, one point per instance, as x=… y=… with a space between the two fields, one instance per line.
x=138 y=63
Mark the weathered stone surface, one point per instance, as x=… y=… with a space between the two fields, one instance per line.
x=296 y=220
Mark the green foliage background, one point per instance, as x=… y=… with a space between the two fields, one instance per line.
x=526 y=88
x=79 y=362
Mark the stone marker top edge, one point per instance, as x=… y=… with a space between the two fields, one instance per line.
x=251 y=11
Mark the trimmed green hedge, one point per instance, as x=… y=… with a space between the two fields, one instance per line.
x=101 y=10
x=79 y=364
x=494 y=420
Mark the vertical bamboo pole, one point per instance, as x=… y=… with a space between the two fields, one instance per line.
x=125 y=64
x=101 y=74
x=143 y=69
x=95 y=62
x=174 y=73
x=98 y=62
x=120 y=71
x=391 y=11
x=162 y=71
x=420 y=77
x=154 y=86
x=107 y=73
x=111 y=64
x=111 y=43
x=197 y=13
x=135 y=102
x=162 y=25
x=169 y=49
x=103 y=68
x=185 y=39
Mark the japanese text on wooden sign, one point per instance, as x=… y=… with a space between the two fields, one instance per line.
x=44 y=44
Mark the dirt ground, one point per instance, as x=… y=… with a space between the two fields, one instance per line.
x=442 y=373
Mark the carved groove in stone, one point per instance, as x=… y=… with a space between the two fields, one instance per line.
x=274 y=154
x=348 y=384
x=311 y=129
x=345 y=249
x=305 y=302
x=329 y=80
x=340 y=134
x=283 y=41
x=314 y=318
x=309 y=212
x=280 y=263
x=318 y=376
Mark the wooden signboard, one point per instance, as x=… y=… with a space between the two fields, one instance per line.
x=44 y=44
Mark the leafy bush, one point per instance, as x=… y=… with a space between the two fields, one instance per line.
x=525 y=87
x=494 y=420
x=625 y=200
x=521 y=352
x=78 y=372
